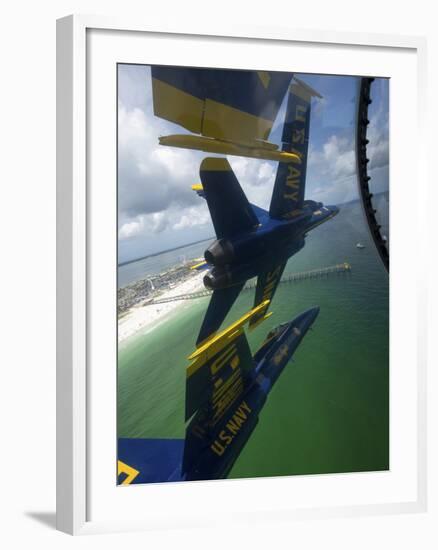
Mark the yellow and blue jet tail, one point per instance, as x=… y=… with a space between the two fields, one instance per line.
x=267 y=283
x=288 y=195
x=232 y=215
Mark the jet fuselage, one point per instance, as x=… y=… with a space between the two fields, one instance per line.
x=272 y=242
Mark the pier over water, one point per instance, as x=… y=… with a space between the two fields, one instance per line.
x=319 y=273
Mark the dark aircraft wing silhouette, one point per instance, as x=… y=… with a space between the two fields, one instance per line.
x=288 y=195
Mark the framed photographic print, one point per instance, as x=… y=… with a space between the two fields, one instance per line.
x=233 y=287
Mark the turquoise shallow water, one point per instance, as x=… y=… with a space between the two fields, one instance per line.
x=329 y=411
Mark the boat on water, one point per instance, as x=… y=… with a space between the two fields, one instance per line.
x=360 y=245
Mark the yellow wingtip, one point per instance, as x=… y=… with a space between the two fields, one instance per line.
x=198 y=265
x=218 y=340
x=259 y=321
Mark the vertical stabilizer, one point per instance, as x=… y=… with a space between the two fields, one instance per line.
x=290 y=181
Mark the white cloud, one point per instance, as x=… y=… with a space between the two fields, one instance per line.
x=340 y=156
x=130 y=229
x=154 y=181
x=190 y=217
x=378 y=147
x=331 y=172
x=155 y=195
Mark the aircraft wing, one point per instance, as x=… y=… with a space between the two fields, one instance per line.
x=220 y=304
x=288 y=195
x=147 y=460
x=230 y=210
x=226 y=104
x=267 y=283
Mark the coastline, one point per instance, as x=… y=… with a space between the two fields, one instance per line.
x=141 y=317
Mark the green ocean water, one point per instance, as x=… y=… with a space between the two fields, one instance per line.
x=329 y=410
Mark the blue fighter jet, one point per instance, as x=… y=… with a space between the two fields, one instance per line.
x=233 y=112
x=226 y=390
x=252 y=242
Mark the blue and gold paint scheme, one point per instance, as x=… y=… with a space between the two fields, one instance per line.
x=227 y=388
x=288 y=195
x=252 y=242
x=231 y=111
x=266 y=286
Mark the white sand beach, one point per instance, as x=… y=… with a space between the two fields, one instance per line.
x=144 y=317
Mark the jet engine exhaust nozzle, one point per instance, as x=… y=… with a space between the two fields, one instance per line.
x=209 y=281
x=220 y=252
x=215 y=280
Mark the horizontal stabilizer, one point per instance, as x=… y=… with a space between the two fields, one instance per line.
x=252 y=149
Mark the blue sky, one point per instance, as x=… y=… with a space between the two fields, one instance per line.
x=157 y=208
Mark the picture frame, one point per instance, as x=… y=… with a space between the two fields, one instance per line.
x=79 y=424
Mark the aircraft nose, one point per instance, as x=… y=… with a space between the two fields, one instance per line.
x=313 y=313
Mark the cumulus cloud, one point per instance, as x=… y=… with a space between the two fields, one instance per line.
x=151 y=177
x=319 y=106
x=378 y=135
x=131 y=229
x=256 y=178
x=332 y=169
x=154 y=181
